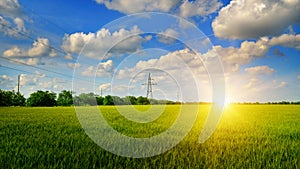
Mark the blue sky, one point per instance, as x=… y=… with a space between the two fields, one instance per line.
x=45 y=41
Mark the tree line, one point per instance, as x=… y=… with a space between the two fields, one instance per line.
x=65 y=98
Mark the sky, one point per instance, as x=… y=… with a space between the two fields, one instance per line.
x=189 y=48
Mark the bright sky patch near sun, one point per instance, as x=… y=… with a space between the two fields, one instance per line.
x=258 y=42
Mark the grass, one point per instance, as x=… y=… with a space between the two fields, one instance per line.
x=248 y=136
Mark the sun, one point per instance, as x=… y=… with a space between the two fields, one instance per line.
x=227 y=102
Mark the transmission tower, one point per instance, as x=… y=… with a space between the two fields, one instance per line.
x=149 y=86
x=19 y=83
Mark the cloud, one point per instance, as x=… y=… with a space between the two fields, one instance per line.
x=6 y=81
x=242 y=19
x=173 y=62
x=253 y=84
x=287 y=40
x=56 y=84
x=233 y=57
x=10 y=22
x=134 y=6
x=96 y=43
x=199 y=7
x=186 y=8
x=14 y=52
x=20 y=24
x=32 y=61
x=104 y=86
x=59 y=80
x=168 y=36
x=104 y=69
x=41 y=47
x=10 y=7
x=30 y=80
x=260 y=70
x=280 y=85
x=177 y=70
x=12 y=29
x=32 y=56
x=68 y=56
x=74 y=65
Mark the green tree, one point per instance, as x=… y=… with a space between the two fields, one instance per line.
x=65 y=98
x=11 y=98
x=5 y=98
x=99 y=100
x=130 y=100
x=87 y=99
x=117 y=100
x=108 y=100
x=18 y=99
x=77 y=101
x=41 y=98
x=142 y=100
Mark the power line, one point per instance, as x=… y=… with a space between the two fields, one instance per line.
x=33 y=73
x=15 y=69
x=19 y=62
x=33 y=39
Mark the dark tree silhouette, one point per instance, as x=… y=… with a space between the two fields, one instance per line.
x=65 y=98
x=41 y=98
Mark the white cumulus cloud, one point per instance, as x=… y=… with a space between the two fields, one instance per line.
x=253 y=84
x=242 y=19
x=233 y=57
x=199 y=7
x=104 y=86
x=104 y=69
x=10 y=7
x=6 y=81
x=40 y=48
x=186 y=8
x=280 y=85
x=134 y=6
x=74 y=65
x=32 y=56
x=11 y=22
x=12 y=29
x=103 y=40
x=260 y=70
x=168 y=36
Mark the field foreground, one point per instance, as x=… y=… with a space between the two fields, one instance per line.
x=248 y=136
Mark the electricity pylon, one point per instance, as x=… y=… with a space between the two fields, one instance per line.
x=149 y=86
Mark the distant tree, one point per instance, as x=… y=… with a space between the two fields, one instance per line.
x=5 y=98
x=117 y=100
x=18 y=99
x=11 y=98
x=41 y=98
x=99 y=100
x=130 y=100
x=65 y=98
x=154 y=101
x=77 y=101
x=108 y=100
x=87 y=99
x=142 y=100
